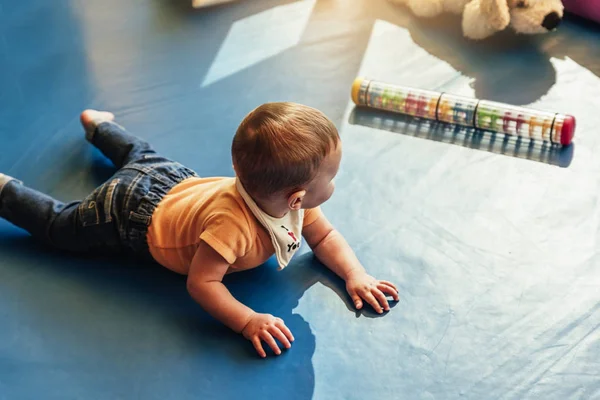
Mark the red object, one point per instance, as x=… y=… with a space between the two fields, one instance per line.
x=411 y=104
x=421 y=104
x=568 y=131
x=589 y=9
x=508 y=118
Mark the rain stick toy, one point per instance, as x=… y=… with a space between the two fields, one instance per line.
x=465 y=111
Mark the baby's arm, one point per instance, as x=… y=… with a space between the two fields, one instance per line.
x=205 y=285
x=333 y=250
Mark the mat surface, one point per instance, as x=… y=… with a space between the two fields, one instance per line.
x=495 y=247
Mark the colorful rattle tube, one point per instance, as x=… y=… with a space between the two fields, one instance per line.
x=502 y=118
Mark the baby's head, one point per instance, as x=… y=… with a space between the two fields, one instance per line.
x=286 y=156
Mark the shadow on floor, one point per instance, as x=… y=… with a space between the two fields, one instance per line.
x=506 y=67
x=94 y=307
x=465 y=137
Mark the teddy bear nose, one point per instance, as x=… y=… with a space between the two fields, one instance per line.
x=551 y=21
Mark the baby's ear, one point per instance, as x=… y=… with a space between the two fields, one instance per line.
x=295 y=200
x=483 y=18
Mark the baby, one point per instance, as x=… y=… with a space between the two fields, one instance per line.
x=285 y=157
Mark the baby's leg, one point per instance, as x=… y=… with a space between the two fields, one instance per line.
x=112 y=139
x=75 y=226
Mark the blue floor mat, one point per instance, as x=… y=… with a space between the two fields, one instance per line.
x=495 y=249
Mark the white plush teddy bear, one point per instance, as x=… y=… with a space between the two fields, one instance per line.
x=483 y=18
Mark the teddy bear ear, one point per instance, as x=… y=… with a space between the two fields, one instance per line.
x=496 y=12
x=482 y=18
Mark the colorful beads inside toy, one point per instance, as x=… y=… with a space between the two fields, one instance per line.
x=465 y=111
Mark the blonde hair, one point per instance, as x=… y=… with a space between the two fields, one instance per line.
x=280 y=146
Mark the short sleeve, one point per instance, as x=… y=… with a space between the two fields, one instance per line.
x=228 y=234
x=311 y=215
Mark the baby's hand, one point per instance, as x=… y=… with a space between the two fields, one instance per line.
x=362 y=286
x=268 y=328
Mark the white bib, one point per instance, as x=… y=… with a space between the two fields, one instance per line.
x=285 y=232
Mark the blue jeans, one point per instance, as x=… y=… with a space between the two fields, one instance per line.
x=115 y=217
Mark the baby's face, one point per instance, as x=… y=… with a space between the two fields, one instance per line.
x=322 y=187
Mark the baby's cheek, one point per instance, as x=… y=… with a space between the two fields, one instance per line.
x=329 y=193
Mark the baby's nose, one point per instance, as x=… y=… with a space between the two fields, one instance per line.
x=551 y=21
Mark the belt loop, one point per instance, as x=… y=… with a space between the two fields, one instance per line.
x=140 y=219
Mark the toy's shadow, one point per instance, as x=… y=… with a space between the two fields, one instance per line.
x=465 y=137
x=506 y=67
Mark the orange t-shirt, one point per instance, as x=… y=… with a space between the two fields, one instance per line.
x=210 y=210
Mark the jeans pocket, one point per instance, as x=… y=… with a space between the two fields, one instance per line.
x=97 y=208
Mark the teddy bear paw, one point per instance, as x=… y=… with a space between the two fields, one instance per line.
x=427 y=9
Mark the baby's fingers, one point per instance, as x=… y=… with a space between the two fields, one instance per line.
x=258 y=346
x=356 y=300
x=369 y=298
x=381 y=298
x=390 y=284
x=277 y=334
x=266 y=336
x=386 y=289
x=281 y=325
